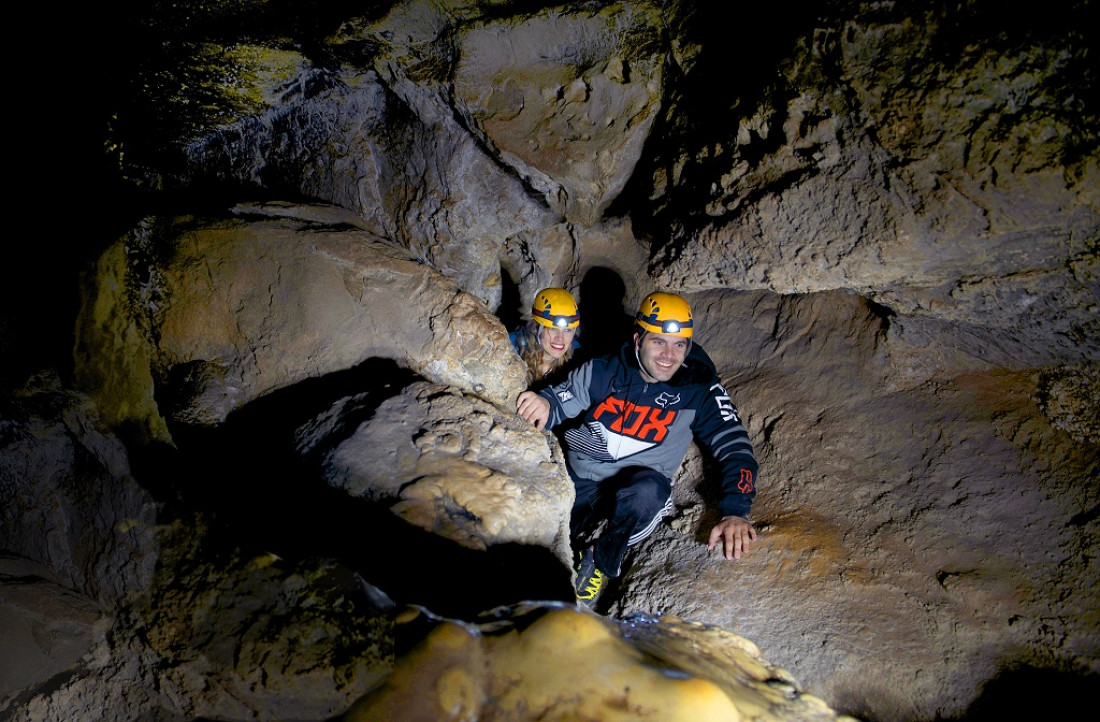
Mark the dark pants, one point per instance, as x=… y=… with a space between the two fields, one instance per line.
x=632 y=502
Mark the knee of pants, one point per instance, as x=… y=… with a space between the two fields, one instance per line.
x=647 y=492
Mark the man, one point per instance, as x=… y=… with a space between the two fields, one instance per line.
x=642 y=409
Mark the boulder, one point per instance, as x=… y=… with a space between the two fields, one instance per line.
x=640 y=668
x=47 y=629
x=68 y=498
x=189 y=319
x=451 y=464
x=565 y=98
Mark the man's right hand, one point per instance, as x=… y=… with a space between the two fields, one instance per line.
x=533 y=408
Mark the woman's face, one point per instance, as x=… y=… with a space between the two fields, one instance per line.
x=556 y=341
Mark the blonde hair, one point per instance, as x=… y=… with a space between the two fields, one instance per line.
x=531 y=352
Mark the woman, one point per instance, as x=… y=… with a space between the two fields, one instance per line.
x=547 y=342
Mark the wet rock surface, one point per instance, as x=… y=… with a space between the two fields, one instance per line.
x=639 y=668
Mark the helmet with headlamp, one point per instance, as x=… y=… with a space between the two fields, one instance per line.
x=555 y=308
x=665 y=313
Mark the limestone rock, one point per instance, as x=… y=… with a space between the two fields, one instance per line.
x=46 y=628
x=391 y=152
x=387 y=143
x=639 y=669
x=68 y=500
x=1070 y=397
x=244 y=635
x=961 y=198
x=566 y=98
x=214 y=314
x=225 y=633
x=451 y=464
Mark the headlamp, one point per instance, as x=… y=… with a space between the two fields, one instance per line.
x=665 y=313
x=557 y=321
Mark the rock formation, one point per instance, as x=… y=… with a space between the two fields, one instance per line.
x=600 y=671
x=452 y=465
x=259 y=459
x=214 y=314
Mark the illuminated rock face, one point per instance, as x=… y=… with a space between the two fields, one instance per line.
x=894 y=502
x=566 y=99
x=69 y=499
x=563 y=663
x=884 y=214
x=453 y=465
x=210 y=315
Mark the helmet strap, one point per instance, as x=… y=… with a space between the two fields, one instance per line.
x=648 y=377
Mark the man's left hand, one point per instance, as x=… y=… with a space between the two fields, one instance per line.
x=737 y=536
x=533 y=408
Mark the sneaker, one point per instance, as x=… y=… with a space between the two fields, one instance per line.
x=589 y=580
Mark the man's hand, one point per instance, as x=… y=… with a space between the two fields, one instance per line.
x=533 y=408
x=736 y=534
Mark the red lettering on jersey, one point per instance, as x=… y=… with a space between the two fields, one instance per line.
x=657 y=424
x=610 y=405
x=745 y=485
x=636 y=421
x=638 y=413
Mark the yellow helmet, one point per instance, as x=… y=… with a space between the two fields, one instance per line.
x=555 y=308
x=665 y=313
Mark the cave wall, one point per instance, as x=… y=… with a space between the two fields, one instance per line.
x=885 y=215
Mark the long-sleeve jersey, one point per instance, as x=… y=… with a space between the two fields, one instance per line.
x=631 y=422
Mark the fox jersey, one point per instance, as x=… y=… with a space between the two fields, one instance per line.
x=631 y=422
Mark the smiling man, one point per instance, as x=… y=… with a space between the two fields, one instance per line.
x=642 y=408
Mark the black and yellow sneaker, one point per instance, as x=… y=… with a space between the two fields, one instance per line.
x=589 y=580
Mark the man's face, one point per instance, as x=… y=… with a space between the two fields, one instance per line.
x=661 y=355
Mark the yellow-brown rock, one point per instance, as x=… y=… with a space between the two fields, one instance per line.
x=570 y=664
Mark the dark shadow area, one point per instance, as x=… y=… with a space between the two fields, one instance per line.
x=246 y=471
x=261 y=492
x=1032 y=693
x=512 y=306
x=38 y=307
x=1018 y=693
x=605 y=325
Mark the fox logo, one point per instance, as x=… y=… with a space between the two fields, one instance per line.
x=666 y=399
x=644 y=423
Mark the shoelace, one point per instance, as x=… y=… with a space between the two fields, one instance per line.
x=594 y=584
